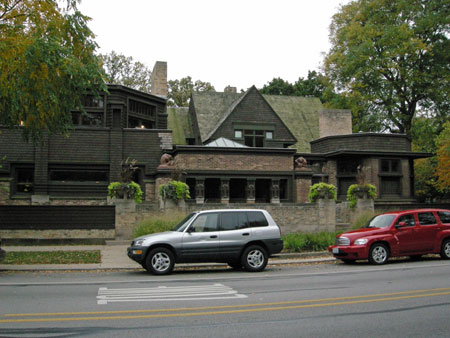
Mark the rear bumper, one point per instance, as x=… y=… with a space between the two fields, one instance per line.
x=349 y=251
x=274 y=246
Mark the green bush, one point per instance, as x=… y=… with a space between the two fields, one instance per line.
x=304 y=242
x=158 y=223
x=322 y=190
x=174 y=190
x=362 y=220
x=355 y=189
x=122 y=190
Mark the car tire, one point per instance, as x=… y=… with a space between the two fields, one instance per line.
x=254 y=258
x=445 y=249
x=160 y=261
x=378 y=254
x=235 y=265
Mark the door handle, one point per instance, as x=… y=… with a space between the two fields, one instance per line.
x=245 y=234
x=213 y=236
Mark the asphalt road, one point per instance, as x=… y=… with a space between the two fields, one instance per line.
x=400 y=299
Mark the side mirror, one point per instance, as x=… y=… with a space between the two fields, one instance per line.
x=400 y=225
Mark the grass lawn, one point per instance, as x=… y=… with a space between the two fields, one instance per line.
x=52 y=257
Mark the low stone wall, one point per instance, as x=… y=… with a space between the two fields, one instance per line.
x=65 y=235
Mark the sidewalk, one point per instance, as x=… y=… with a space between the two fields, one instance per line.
x=115 y=257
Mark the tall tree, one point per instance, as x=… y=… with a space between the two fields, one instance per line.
x=180 y=90
x=393 y=54
x=47 y=63
x=278 y=86
x=121 y=69
x=443 y=157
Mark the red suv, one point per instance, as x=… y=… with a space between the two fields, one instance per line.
x=401 y=233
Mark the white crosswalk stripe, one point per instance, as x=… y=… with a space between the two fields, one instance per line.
x=163 y=293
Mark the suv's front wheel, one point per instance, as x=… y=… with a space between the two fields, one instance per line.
x=378 y=254
x=254 y=258
x=160 y=261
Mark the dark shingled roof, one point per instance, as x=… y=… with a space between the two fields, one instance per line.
x=299 y=114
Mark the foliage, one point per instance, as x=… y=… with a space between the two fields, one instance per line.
x=125 y=190
x=362 y=220
x=443 y=158
x=354 y=191
x=180 y=91
x=47 y=64
x=158 y=223
x=303 y=242
x=52 y=257
x=322 y=190
x=174 y=190
x=393 y=55
x=123 y=70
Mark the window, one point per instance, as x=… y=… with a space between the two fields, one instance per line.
x=90 y=119
x=24 y=180
x=91 y=101
x=141 y=115
x=426 y=218
x=256 y=219
x=141 y=108
x=269 y=135
x=205 y=223
x=390 y=166
x=408 y=219
x=348 y=166
x=238 y=133
x=283 y=189
x=254 y=138
x=444 y=216
x=139 y=123
x=233 y=221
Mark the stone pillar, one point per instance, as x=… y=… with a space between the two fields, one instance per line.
x=200 y=191
x=303 y=182
x=327 y=215
x=224 y=191
x=275 y=192
x=250 y=191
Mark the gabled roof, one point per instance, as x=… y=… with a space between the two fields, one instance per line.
x=179 y=122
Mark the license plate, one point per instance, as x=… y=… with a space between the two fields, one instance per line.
x=335 y=250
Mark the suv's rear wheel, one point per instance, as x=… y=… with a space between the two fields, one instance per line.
x=445 y=249
x=160 y=261
x=379 y=254
x=254 y=258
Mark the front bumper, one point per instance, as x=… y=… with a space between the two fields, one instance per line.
x=137 y=253
x=349 y=251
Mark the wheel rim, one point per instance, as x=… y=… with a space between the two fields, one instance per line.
x=379 y=254
x=160 y=261
x=255 y=259
x=447 y=249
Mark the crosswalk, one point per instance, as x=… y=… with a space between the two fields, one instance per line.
x=164 y=293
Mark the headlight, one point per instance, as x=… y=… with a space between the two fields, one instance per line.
x=139 y=242
x=361 y=241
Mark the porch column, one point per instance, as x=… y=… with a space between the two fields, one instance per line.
x=200 y=191
x=224 y=191
x=250 y=191
x=275 y=192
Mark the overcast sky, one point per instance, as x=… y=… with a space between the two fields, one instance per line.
x=234 y=42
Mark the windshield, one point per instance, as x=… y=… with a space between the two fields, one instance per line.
x=380 y=221
x=180 y=227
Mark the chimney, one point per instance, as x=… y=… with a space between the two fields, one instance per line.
x=159 y=79
x=229 y=89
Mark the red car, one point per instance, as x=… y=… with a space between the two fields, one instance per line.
x=402 y=233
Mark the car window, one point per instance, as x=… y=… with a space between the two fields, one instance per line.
x=426 y=218
x=233 y=221
x=205 y=223
x=408 y=219
x=444 y=216
x=256 y=219
x=380 y=221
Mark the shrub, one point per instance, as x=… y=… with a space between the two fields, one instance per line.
x=128 y=190
x=362 y=220
x=322 y=190
x=158 y=223
x=175 y=190
x=355 y=189
x=302 y=242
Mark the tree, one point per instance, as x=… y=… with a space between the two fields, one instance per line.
x=443 y=157
x=180 y=90
x=47 y=63
x=278 y=86
x=394 y=56
x=123 y=70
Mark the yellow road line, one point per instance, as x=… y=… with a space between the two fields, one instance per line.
x=264 y=307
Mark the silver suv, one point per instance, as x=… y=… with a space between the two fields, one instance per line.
x=239 y=237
